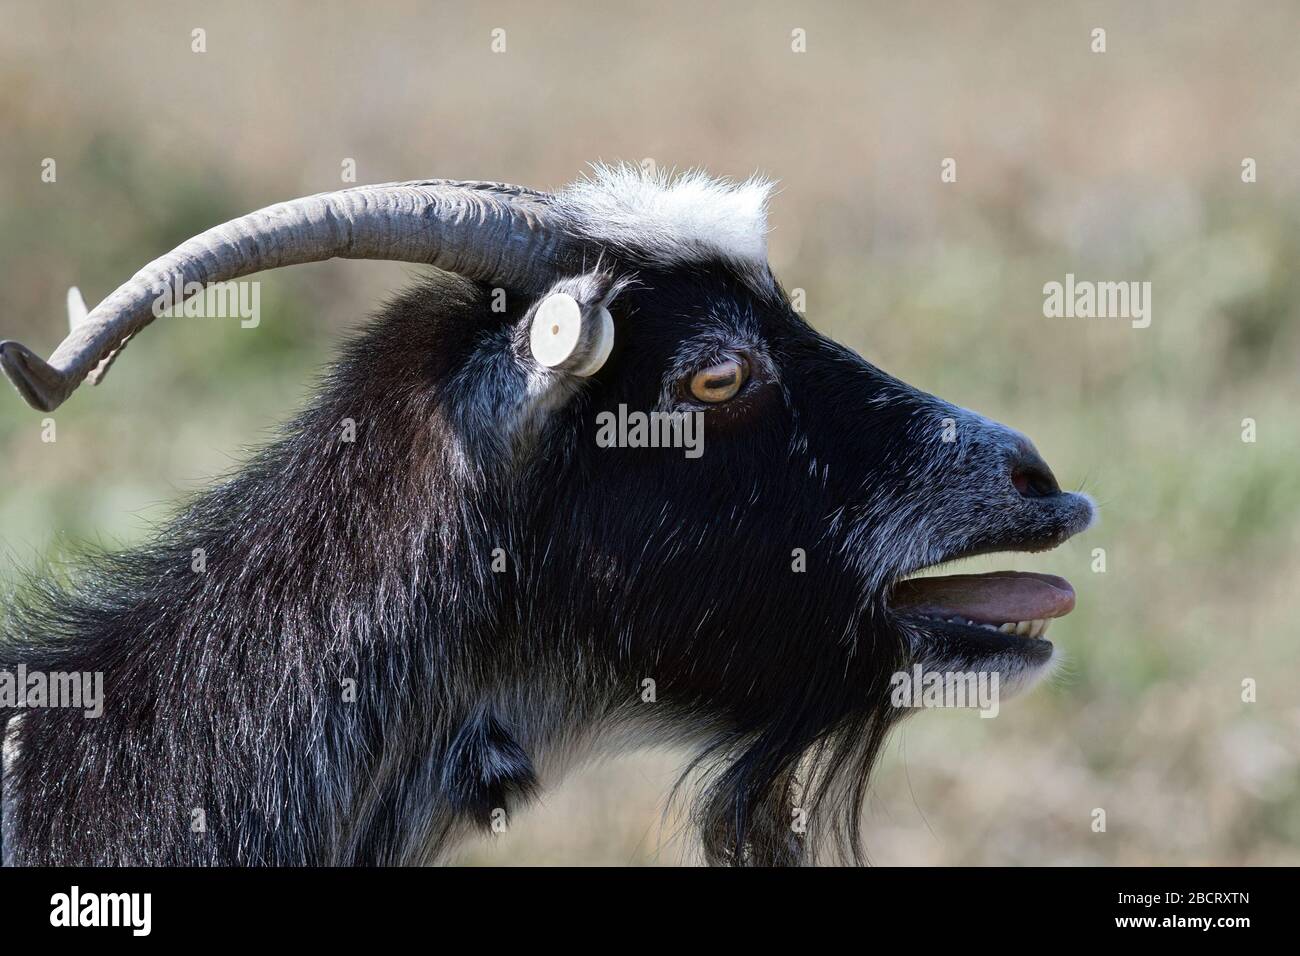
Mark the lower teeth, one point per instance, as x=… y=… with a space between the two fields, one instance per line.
x=1035 y=628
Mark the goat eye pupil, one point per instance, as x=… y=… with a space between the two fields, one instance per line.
x=719 y=382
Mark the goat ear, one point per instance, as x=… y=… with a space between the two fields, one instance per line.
x=485 y=769
x=567 y=336
x=564 y=337
x=569 y=329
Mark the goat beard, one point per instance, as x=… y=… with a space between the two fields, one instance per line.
x=791 y=793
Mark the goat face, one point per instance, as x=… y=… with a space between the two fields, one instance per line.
x=743 y=592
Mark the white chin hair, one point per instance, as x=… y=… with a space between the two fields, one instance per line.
x=1020 y=677
x=1016 y=675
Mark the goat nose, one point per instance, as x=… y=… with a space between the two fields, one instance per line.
x=1030 y=474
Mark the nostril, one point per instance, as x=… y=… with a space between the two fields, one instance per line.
x=1034 y=480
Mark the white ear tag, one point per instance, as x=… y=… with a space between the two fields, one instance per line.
x=562 y=337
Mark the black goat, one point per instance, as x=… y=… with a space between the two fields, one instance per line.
x=441 y=587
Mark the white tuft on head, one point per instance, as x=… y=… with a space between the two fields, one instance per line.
x=666 y=219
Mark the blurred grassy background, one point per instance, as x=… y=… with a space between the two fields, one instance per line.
x=1116 y=166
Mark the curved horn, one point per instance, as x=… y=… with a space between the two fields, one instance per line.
x=490 y=232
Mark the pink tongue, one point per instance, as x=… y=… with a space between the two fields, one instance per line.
x=997 y=598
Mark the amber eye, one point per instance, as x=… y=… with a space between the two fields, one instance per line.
x=717 y=383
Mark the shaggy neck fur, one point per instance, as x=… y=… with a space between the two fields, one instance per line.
x=308 y=695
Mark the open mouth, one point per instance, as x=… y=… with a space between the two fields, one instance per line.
x=976 y=620
x=1001 y=608
x=997 y=621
